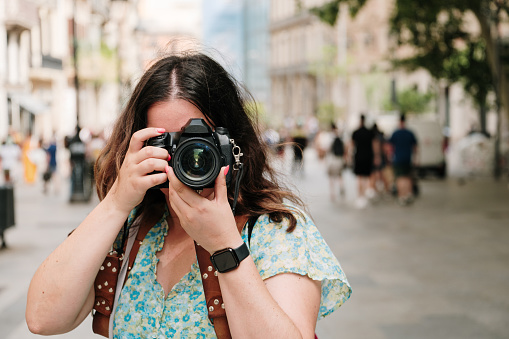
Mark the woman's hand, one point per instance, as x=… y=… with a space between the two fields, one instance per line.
x=207 y=219
x=134 y=177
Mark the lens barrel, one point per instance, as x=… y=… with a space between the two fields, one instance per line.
x=197 y=163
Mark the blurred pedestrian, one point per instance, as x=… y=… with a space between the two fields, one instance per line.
x=404 y=150
x=335 y=164
x=39 y=158
x=362 y=146
x=51 y=168
x=299 y=144
x=10 y=156
x=271 y=138
x=323 y=142
x=30 y=168
x=379 y=182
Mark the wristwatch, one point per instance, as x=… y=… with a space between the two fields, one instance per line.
x=229 y=259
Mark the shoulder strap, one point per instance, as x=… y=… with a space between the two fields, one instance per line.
x=131 y=255
x=250 y=225
x=211 y=288
x=212 y=291
x=131 y=248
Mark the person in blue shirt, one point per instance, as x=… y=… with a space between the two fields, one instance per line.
x=51 y=151
x=404 y=150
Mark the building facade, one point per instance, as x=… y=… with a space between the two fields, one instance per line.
x=43 y=92
x=301 y=74
x=357 y=77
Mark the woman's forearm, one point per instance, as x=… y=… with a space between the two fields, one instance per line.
x=62 y=286
x=253 y=311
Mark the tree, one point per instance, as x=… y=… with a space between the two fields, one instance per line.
x=444 y=43
x=440 y=32
x=410 y=100
x=446 y=46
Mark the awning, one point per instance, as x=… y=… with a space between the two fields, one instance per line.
x=30 y=103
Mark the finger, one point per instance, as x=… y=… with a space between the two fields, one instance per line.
x=152 y=180
x=139 y=137
x=220 y=189
x=150 y=165
x=186 y=194
x=151 y=152
x=177 y=204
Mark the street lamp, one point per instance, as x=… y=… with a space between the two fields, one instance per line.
x=75 y=60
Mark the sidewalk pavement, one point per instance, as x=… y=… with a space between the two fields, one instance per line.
x=436 y=269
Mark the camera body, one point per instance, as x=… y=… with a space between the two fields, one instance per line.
x=197 y=153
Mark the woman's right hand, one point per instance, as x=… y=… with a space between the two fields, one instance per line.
x=134 y=177
x=61 y=293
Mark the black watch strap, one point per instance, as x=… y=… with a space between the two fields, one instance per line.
x=229 y=258
x=242 y=252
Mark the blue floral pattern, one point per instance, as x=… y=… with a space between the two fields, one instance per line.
x=144 y=312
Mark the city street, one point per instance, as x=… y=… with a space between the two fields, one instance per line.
x=436 y=269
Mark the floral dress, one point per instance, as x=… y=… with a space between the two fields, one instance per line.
x=144 y=312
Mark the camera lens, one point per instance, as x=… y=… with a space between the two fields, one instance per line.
x=197 y=163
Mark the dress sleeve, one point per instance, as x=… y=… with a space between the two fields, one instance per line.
x=304 y=252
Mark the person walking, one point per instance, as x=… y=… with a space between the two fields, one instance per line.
x=299 y=144
x=10 y=156
x=30 y=168
x=335 y=164
x=379 y=182
x=404 y=151
x=51 y=168
x=362 y=146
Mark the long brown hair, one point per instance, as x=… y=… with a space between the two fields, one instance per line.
x=200 y=80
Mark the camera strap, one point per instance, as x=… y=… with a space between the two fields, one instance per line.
x=238 y=179
x=237 y=166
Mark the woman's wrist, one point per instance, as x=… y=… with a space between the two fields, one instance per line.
x=233 y=241
x=115 y=208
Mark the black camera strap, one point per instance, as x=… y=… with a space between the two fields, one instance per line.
x=238 y=179
x=237 y=166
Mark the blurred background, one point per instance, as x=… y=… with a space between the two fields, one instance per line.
x=67 y=68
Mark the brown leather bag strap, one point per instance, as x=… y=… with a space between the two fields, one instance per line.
x=140 y=235
x=212 y=291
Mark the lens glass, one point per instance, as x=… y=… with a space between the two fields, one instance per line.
x=197 y=161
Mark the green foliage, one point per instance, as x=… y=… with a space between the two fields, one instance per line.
x=444 y=45
x=440 y=32
x=328 y=12
x=327 y=65
x=328 y=112
x=411 y=101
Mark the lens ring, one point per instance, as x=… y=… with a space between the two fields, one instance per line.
x=197 y=162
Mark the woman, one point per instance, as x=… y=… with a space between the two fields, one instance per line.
x=163 y=295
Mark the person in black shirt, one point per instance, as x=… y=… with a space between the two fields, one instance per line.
x=362 y=140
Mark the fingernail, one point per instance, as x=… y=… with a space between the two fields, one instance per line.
x=169 y=157
x=226 y=170
x=160 y=130
x=167 y=169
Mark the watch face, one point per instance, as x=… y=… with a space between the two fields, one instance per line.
x=225 y=261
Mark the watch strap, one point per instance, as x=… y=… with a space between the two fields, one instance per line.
x=242 y=252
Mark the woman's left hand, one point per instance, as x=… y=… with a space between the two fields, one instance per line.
x=207 y=219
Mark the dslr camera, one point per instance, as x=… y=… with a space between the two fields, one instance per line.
x=197 y=153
